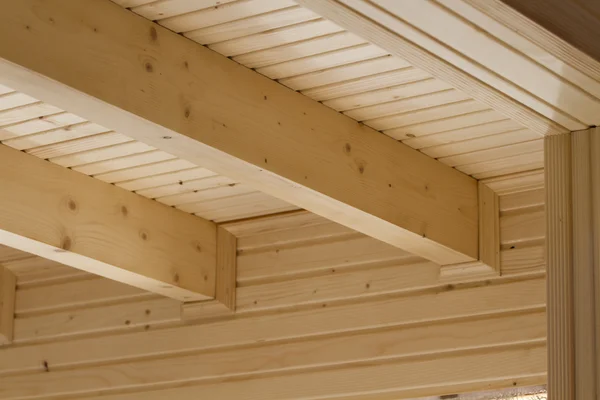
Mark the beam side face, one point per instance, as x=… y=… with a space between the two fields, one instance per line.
x=68 y=217
x=131 y=75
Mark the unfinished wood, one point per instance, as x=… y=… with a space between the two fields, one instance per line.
x=322 y=61
x=375 y=346
x=522 y=226
x=471 y=132
x=403 y=75
x=524 y=199
x=516 y=149
x=519 y=260
x=311 y=47
x=124 y=162
x=25 y=113
x=40 y=124
x=584 y=265
x=489 y=227
x=563 y=30
x=435 y=112
x=168 y=8
x=78 y=221
x=251 y=25
x=473 y=115
x=408 y=105
x=53 y=136
x=518 y=182
x=518 y=41
x=224 y=13
x=246 y=205
x=365 y=381
x=186 y=186
x=225 y=292
x=79 y=292
x=276 y=38
x=8 y=284
x=353 y=71
x=222 y=126
x=417 y=47
x=381 y=313
x=281 y=263
x=559 y=254
x=124 y=317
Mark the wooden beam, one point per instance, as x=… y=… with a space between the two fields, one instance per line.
x=226 y=282
x=95 y=59
x=401 y=27
x=573 y=262
x=488 y=263
x=87 y=224
x=8 y=284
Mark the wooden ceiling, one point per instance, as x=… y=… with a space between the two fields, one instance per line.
x=325 y=62
x=63 y=138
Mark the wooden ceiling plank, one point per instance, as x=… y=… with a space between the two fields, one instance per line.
x=471 y=132
x=313 y=46
x=186 y=186
x=329 y=93
x=225 y=13
x=79 y=145
x=54 y=136
x=387 y=94
x=38 y=125
x=408 y=105
x=124 y=162
x=78 y=221
x=496 y=63
x=450 y=110
x=322 y=61
x=400 y=38
x=189 y=101
x=449 y=123
x=276 y=37
x=481 y=143
x=162 y=9
x=251 y=25
x=343 y=73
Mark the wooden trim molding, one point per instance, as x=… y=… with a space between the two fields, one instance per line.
x=573 y=260
x=8 y=284
x=76 y=220
x=100 y=61
x=488 y=263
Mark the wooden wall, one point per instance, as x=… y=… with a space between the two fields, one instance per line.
x=322 y=312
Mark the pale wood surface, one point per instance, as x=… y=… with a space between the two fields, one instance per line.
x=315 y=301
x=75 y=220
x=489 y=227
x=585 y=234
x=8 y=285
x=368 y=20
x=373 y=184
x=72 y=141
x=559 y=254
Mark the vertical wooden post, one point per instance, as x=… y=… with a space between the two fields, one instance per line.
x=7 y=305
x=572 y=252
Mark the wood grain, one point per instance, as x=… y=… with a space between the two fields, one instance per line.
x=79 y=221
x=231 y=129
